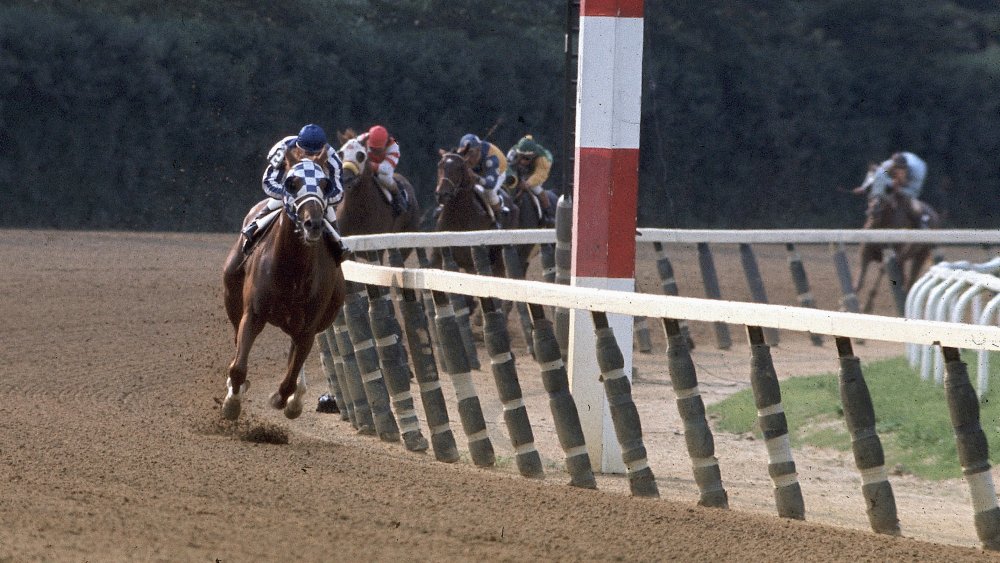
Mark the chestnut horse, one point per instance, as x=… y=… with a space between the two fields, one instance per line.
x=364 y=209
x=291 y=280
x=462 y=209
x=889 y=211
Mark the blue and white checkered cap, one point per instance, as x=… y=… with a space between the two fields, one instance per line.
x=311 y=174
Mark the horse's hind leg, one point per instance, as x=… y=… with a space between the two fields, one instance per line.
x=250 y=327
x=290 y=393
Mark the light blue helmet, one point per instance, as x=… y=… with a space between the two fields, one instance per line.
x=311 y=139
x=469 y=141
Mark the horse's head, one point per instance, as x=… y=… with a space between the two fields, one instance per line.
x=306 y=184
x=453 y=175
x=355 y=158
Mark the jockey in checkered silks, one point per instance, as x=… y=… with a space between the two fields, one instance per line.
x=309 y=144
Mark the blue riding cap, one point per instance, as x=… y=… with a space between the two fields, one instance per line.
x=469 y=140
x=311 y=138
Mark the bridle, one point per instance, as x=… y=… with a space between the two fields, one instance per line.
x=442 y=194
x=311 y=175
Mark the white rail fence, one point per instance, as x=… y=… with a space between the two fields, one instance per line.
x=939 y=302
x=689 y=236
x=833 y=323
x=954 y=292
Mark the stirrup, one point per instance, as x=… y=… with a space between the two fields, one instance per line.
x=247 y=233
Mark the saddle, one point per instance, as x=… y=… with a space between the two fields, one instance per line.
x=264 y=223
x=485 y=202
x=404 y=199
x=330 y=237
x=547 y=219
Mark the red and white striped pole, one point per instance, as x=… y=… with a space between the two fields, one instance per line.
x=609 y=100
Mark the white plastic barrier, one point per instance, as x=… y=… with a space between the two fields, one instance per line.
x=953 y=291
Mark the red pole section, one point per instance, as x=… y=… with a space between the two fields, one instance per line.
x=609 y=100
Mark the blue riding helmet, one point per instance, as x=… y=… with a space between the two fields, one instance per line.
x=311 y=138
x=469 y=140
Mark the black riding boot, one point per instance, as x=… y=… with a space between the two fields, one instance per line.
x=397 y=205
x=248 y=232
x=335 y=246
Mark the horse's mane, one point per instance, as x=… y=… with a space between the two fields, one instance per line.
x=346 y=135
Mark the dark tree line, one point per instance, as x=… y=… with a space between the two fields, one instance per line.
x=137 y=114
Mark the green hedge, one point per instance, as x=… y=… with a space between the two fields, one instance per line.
x=136 y=114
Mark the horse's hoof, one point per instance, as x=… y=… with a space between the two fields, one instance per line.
x=230 y=410
x=327 y=405
x=277 y=401
x=415 y=441
x=366 y=430
x=293 y=409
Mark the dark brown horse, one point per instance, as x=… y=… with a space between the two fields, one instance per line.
x=364 y=209
x=291 y=280
x=890 y=211
x=531 y=216
x=463 y=209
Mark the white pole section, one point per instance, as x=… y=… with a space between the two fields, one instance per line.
x=609 y=97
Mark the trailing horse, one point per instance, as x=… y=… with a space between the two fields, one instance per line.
x=464 y=209
x=365 y=209
x=890 y=211
x=291 y=279
x=531 y=216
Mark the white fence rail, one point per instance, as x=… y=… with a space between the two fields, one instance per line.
x=782 y=236
x=851 y=325
x=954 y=291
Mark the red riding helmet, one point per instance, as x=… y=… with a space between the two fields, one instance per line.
x=377 y=137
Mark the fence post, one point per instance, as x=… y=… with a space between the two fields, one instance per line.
x=529 y=463
x=973 y=450
x=341 y=372
x=859 y=415
x=642 y=339
x=624 y=415
x=331 y=401
x=564 y=267
x=547 y=253
x=456 y=363
x=802 y=286
x=512 y=265
x=429 y=308
x=697 y=433
x=356 y=313
x=894 y=272
x=564 y=413
x=711 y=281
x=425 y=370
x=460 y=305
x=756 y=284
x=352 y=376
x=395 y=367
x=668 y=284
x=850 y=300
x=774 y=426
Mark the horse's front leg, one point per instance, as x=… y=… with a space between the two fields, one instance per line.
x=292 y=389
x=250 y=327
x=870 y=301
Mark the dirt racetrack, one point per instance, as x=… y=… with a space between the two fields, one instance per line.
x=113 y=356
